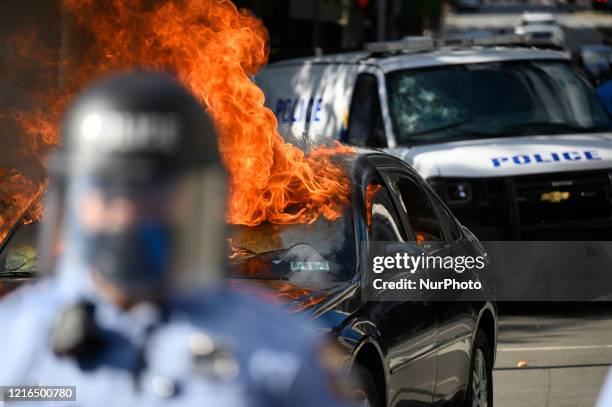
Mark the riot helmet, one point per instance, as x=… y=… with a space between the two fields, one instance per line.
x=137 y=189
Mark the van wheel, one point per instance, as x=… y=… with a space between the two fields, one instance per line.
x=365 y=393
x=480 y=383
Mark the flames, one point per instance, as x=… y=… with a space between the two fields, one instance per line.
x=371 y=191
x=22 y=175
x=214 y=49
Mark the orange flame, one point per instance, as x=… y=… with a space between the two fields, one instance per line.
x=21 y=173
x=214 y=49
x=371 y=192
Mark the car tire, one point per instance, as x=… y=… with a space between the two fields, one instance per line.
x=480 y=382
x=366 y=393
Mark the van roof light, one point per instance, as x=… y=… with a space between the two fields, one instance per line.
x=407 y=44
x=491 y=40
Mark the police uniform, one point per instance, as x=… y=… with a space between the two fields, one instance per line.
x=221 y=349
x=605 y=398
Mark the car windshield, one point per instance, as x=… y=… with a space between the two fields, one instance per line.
x=310 y=255
x=492 y=100
x=19 y=252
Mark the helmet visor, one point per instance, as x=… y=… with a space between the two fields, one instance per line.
x=145 y=239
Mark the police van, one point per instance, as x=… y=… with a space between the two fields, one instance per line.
x=512 y=137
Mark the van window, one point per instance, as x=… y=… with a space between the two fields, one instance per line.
x=366 y=127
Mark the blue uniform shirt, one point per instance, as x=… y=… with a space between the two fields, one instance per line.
x=605 y=398
x=220 y=349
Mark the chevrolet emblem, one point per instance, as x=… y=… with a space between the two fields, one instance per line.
x=554 y=196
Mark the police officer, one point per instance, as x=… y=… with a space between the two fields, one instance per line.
x=136 y=312
x=605 y=397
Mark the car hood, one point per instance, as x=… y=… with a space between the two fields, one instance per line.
x=8 y=284
x=510 y=156
x=293 y=297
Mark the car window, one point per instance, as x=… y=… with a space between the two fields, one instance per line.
x=448 y=221
x=20 y=254
x=383 y=221
x=366 y=127
x=418 y=208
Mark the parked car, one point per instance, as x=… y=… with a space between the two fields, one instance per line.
x=512 y=138
x=541 y=29
x=404 y=353
x=595 y=60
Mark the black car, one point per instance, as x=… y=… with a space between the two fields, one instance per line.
x=409 y=353
x=406 y=353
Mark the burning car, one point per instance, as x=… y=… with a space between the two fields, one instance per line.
x=438 y=352
x=403 y=352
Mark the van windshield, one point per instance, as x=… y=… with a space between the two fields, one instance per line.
x=511 y=98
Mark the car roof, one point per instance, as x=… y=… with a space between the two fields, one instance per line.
x=436 y=57
x=365 y=157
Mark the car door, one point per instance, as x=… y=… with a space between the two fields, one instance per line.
x=457 y=320
x=409 y=327
x=432 y=221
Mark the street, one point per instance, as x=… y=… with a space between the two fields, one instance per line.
x=582 y=26
x=568 y=350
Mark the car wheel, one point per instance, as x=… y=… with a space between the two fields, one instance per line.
x=480 y=383
x=365 y=393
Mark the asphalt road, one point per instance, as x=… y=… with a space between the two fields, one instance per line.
x=567 y=349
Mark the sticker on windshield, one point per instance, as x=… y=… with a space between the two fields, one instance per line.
x=309 y=266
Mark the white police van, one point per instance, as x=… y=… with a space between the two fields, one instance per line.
x=513 y=138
